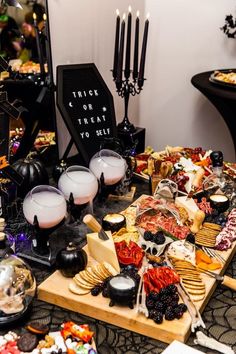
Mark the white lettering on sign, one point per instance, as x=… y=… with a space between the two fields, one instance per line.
x=88 y=107
x=92 y=120
x=84 y=93
x=84 y=135
x=101 y=132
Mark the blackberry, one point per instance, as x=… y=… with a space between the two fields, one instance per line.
x=169 y=314
x=152 y=313
x=148 y=236
x=159 y=238
x=160 y=307
x=163 y=292
x=171 y=289
x=158 y=318
x=150 y=304
x=175 y=298
x=178 y=313
x=105 y=292
x=130 y=268
x=153 y=296
x=182 y=307
x=96 y=290
x=166 y=299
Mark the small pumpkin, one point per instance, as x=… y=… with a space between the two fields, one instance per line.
x=33 y=172
x=71 y=260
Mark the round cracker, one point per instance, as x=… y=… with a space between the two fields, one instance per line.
x=111 y=270
x=74 y=288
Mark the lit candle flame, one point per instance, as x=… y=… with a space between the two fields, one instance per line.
x=117 y=12
x=129 y=8
x=137 y=13
x=123 y=17
x=34 y=16
x=44 y=17
x=148 y=15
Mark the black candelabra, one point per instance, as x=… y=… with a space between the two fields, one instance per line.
x=127 y=86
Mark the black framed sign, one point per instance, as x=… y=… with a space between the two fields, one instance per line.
x=86 y=106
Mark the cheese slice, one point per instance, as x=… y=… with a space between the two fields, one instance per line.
x=103 y=251
x=188 y=204
x=182 y=250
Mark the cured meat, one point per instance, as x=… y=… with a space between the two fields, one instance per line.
x=225 y=238
x=154 y=220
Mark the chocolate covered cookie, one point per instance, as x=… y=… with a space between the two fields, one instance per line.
x=38 y=328
x=27 y=342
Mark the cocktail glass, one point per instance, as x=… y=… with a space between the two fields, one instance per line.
x=79 y=186
x=45 y=208
x=109 y=164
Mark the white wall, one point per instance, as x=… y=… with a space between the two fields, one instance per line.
x=184 y=39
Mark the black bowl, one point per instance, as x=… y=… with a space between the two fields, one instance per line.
x=219 y=202
x=113 y=222
x=121 y=289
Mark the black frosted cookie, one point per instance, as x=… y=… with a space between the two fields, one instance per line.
x=37 y=328
x=27 y=342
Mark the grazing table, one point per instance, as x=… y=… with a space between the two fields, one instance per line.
x=223 y=97
x=219 y=314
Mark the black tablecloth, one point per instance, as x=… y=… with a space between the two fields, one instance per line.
x=219 y=315
x=222 y=97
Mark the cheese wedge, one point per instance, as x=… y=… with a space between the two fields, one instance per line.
x=188 y=204
x=103 y=251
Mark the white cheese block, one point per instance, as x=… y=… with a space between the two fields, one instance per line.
x=103 y=251
x=188 y=204
x=182 y=250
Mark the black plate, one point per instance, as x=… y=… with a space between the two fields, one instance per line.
x=213 y=79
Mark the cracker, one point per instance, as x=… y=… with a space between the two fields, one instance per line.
x=74 y=288
x=111 y=270
x=82 y=283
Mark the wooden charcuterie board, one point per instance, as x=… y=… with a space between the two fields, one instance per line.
x=55 y=291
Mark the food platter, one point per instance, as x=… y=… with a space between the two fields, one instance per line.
x=55 y=290
x=224 y=78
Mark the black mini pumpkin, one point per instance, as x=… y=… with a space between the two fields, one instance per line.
x=71 y=260
x=33 y=172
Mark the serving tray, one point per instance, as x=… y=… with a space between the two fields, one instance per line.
x=55 y=290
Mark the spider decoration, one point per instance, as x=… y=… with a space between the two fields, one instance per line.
x=229 y=27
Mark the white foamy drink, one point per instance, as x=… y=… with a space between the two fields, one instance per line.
x=49 y=207
x=112 y=168
x=82 y=184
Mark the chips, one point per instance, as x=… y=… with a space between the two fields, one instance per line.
x=126 y=234
x=87 y=279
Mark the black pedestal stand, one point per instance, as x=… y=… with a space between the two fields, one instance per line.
x=37 y=248
x=75 y=210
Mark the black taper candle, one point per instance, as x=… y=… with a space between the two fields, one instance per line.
x=143 y=55
x=136 y=47
x=121 y=54
x=116 y=49
x=128 y=45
